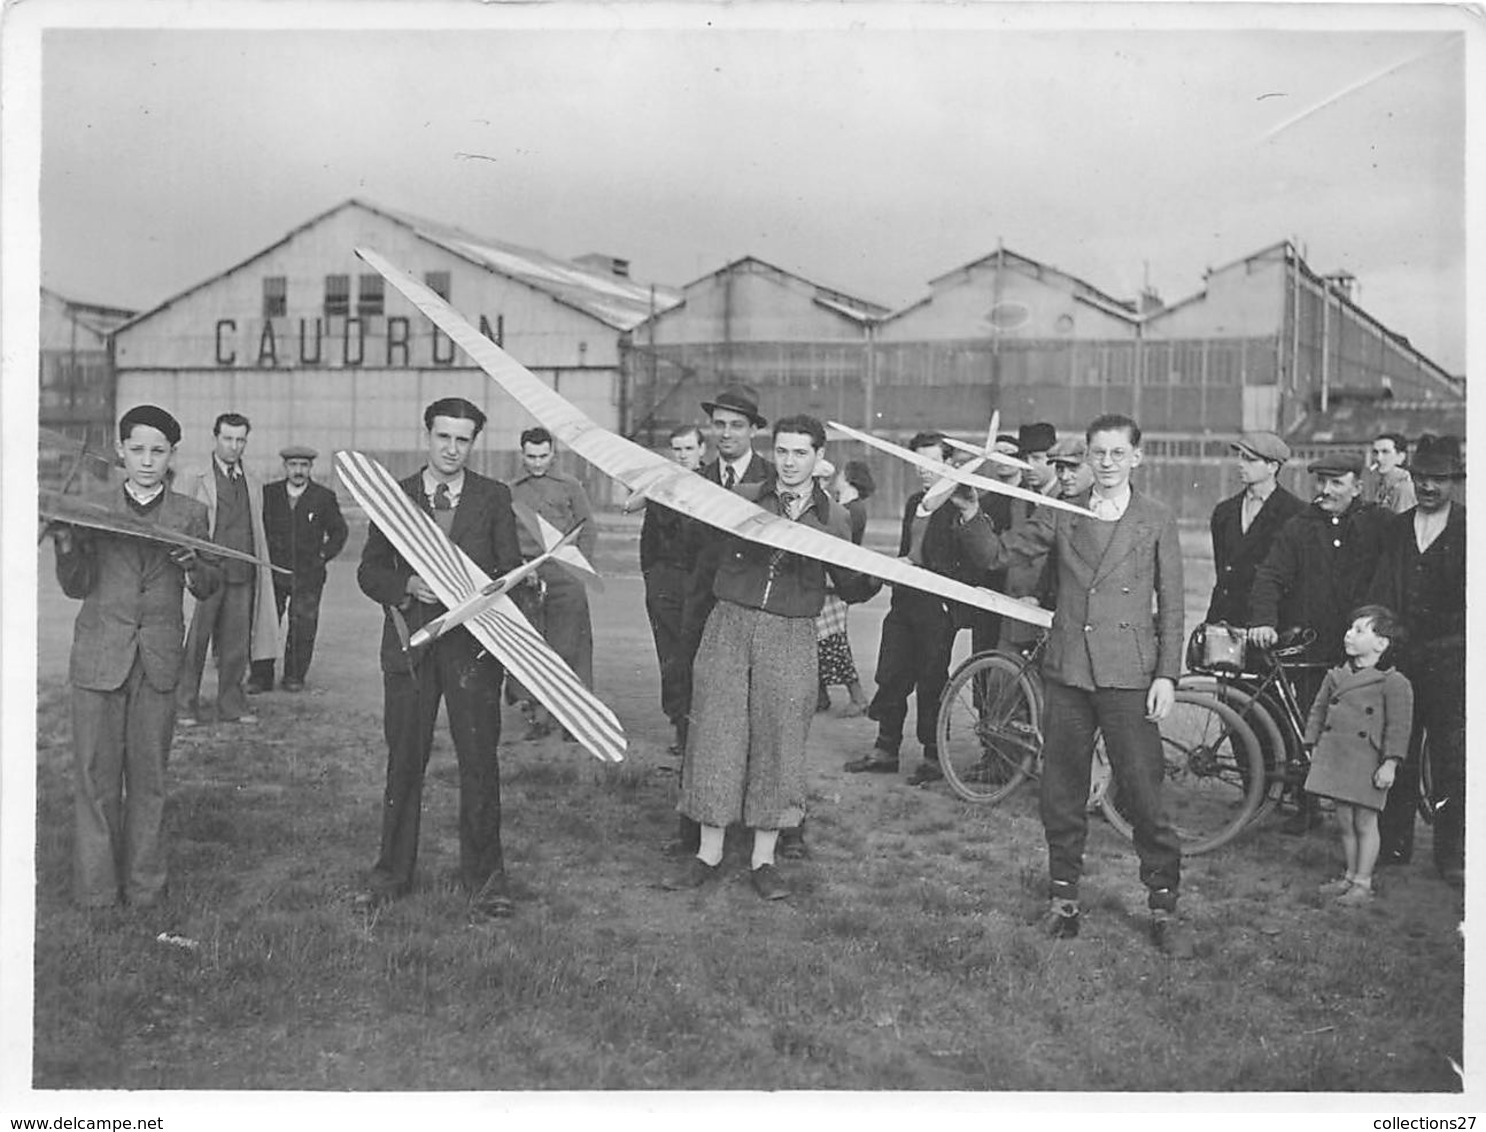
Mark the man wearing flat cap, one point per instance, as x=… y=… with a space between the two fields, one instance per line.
x=305 y=530
x=1317 y=571
x=1244 y=526
x=1421 y=576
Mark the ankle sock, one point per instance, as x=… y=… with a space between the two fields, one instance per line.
x=763 y=846
x=710 y=849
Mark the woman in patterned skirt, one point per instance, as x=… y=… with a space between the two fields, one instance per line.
x=851 y=487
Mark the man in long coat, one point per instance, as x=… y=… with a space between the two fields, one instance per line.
x=1244 y=526
x=241 y=616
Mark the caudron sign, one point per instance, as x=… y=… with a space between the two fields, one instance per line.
x=335 y=343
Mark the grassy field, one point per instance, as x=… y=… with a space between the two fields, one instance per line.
x=906 y=960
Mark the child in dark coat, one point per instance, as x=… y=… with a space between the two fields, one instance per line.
x=1359 y=732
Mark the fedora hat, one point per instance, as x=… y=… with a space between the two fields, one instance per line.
x=739 y=398
x=1438 y=456
x=1037 y=437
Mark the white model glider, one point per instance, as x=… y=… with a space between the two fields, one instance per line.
x=669 y=483
x=959 y=475
x=940 y=490
x=500 y=626
x=559 y=547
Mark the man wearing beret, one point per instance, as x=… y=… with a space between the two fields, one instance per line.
x=305 y=530
x=126 y=660
x=234 y=622
x=1317 y=571
x=1421 y=576
x=1244 y=526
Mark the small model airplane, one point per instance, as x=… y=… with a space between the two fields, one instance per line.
x=484 y=597
x=497 y=624
x=942 y=487
x=560 y=547
x=959 y=475
x=667 y=482
x=54 y=508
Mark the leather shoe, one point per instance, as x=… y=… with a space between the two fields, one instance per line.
x=878 y=762
x=1060 y=920
x=289 y=684
x=925 y=773
x=693 y=874
x=769 y=884
x=1392 y=857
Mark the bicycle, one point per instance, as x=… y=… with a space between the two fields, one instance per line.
x=990 y=742
x=1256 y=682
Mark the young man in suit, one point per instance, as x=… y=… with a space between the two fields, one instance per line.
x=238 y=617
x=1110 y=667
x=1421 y=576
x=305 y=530
x=918 y=632
x=1244 y=526
x=475 y=512
x=126 y=660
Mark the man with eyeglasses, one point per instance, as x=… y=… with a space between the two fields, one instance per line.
x=1110 y=669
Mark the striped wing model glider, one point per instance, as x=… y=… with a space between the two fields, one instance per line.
x=500 y=627
x=668 y=483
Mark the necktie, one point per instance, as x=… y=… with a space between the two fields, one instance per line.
x=729 y=477
x=441 y=497
x=788 y=502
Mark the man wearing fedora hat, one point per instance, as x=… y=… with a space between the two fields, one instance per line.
x=1421 y=575
x=1244 y=526
x=733 y=421
x=1317 y=571
x=305 y=530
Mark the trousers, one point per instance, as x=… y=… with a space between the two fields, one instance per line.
x=918 y=635
x=665 y=598
x=120 y=741
x=1070 y=719
x=224 y=622
x=468 y=681
x=302 y=602
x=1439 y=721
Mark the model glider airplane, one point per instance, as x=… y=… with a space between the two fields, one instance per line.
x=56 y=508
x=667 y=482
x=959 y=475
x=497 y=624
x=484 y=597
x=559 y=546
x=941 y=488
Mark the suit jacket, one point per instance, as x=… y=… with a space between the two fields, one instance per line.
x=484 y=528
x=305 y=537
x=1427 y=590
x=1119 y=614
x=202 y=486
x=1237 y=553
x=1317 y=571
x=132 y=596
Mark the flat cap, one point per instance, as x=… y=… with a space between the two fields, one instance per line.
x=1069 y=450
x=1265 y=445
x=1336 y=463
x=298 y=452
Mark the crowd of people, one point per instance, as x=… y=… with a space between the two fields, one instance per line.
x=750 y=639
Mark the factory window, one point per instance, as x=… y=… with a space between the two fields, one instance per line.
x=275 y=296
x=438 y=283
x=337 y=294
x=369 y=296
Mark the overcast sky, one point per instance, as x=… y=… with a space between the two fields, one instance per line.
x=871 y=158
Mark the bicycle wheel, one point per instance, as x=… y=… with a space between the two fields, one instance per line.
x=1214 y=776
x=1273 y=744
x=989 y=727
